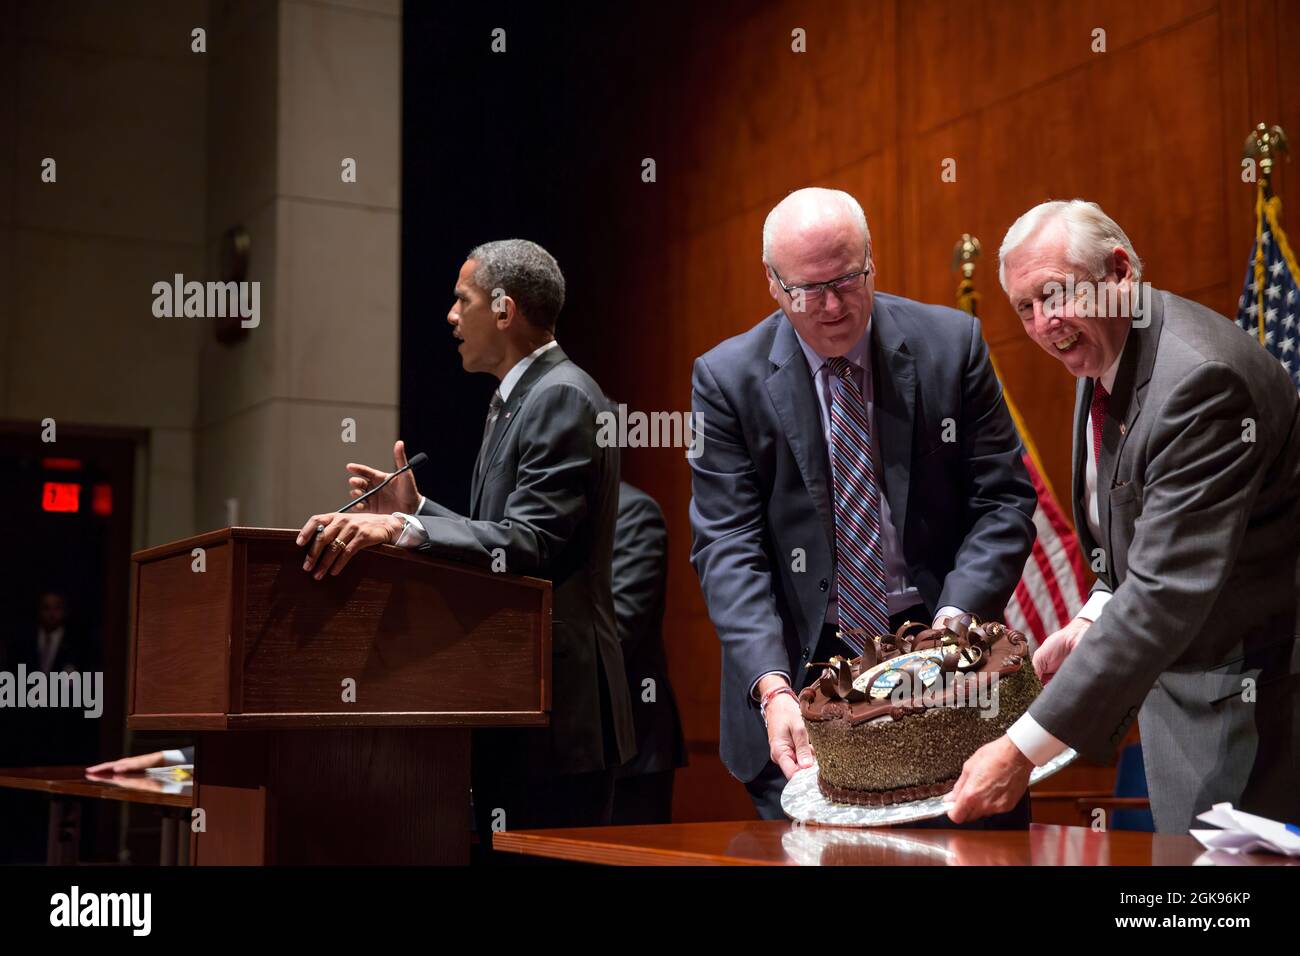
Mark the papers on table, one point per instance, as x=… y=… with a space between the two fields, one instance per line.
x=1246 y=833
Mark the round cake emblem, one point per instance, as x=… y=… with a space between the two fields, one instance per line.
x=879 y=682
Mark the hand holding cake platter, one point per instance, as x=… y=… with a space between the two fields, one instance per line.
x=892 y=729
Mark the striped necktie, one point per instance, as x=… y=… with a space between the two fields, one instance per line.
x=859 y=551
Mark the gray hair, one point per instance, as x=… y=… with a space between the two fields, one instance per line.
x=1090 y=236
x=524 y=271
x=835 y=197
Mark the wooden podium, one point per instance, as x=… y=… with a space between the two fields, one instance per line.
x=332 y=717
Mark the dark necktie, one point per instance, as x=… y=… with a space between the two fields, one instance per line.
x=859 y=550
x=1099 y=399
x=494 y=410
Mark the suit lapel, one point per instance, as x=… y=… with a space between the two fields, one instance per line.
x=509 y=413
x=791 y=388
x=1122 y=411
x=893 y=375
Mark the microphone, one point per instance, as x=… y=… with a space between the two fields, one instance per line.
x=415 y=462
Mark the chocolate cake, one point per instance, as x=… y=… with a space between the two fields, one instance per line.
x=896 y=724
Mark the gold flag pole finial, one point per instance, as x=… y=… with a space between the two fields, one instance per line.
x=964 y=254
x=1263 y=146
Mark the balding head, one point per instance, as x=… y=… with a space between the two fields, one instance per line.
x=813 y=216
x=814 y=236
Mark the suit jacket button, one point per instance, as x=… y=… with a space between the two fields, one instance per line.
x=823 y=584
x=806 y=652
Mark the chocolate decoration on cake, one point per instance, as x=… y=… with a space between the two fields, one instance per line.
x=877 y=748
x=904 y=640
x=970 y=658
x=837 y=680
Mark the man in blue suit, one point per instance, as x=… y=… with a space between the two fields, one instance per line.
x=859 y=468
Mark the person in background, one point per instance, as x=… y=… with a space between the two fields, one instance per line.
x=57 y=645
x=54 y=648
x=643 y=789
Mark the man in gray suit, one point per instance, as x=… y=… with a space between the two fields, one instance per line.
x=858 y=468
x=1187 y=497
x=545 y=498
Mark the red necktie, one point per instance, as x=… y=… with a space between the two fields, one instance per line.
x=1099 y=399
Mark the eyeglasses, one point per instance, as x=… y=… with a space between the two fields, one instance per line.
x=849 y=282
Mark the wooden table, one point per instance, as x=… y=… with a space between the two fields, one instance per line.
x=67 y=786
x=781 y=843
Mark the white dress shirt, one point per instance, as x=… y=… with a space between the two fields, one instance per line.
x=413 y=534
x=1026 y=733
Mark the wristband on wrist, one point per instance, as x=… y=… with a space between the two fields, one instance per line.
x=772 y=695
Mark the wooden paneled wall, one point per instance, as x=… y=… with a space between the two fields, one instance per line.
x=1152 y=129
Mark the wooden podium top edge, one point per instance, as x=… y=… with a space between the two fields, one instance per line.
x=221 y=535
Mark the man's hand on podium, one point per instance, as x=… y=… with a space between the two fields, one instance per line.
x=136 y=764
x=402 y=495
x=339 y=536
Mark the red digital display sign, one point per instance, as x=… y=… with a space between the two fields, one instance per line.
x=61 y=496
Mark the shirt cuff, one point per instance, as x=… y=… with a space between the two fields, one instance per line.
x=946 y=611
x=1033 y=741
x=173 y=757
x=420 y=505
x=413 y=534
x=753 y=689
x=1096 y=601
x=1091 y=609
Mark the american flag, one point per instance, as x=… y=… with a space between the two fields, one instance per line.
x=1269 y=307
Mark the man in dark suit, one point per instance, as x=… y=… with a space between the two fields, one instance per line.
x=859 y=468
x=545 y=499
x=1187 y=497
x=644 y=789
x=54 y=648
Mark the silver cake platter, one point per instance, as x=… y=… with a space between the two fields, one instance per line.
x=804 y=803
